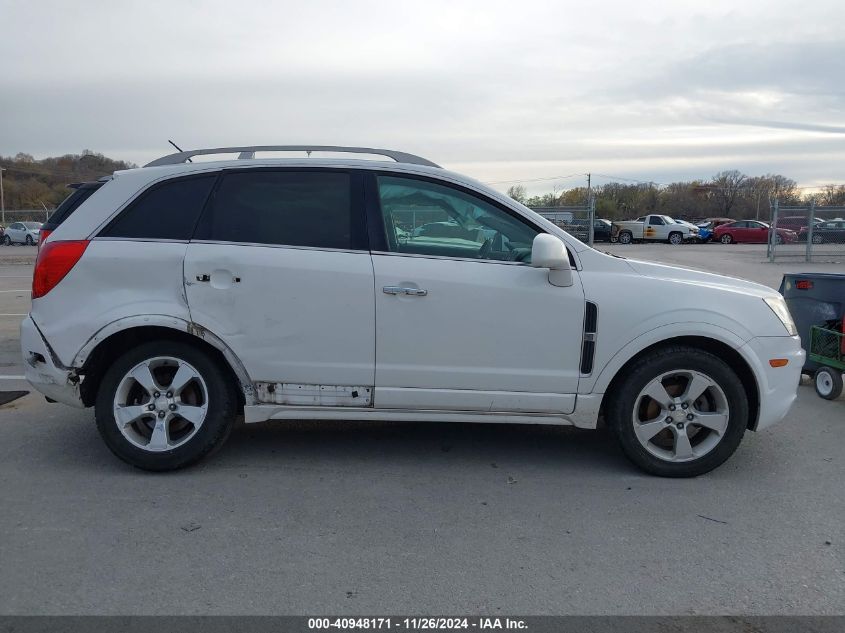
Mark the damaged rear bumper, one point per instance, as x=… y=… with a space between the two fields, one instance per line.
x=43 y=371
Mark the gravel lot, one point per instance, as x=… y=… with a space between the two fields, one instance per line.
x=374 y=518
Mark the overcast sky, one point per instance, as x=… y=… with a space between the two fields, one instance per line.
x=651 y=90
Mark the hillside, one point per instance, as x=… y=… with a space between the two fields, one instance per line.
x=29 y=183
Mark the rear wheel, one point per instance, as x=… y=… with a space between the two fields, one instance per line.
x=625 y=237
x=679 y=412
x=676 y=238
x=828 y=382
x=165 y=405
x=778 y=238
x=726 y=238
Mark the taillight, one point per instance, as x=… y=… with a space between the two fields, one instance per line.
x=43 y=235
x=54 y=262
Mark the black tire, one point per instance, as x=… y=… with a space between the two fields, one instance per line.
x=818 y=239
x=626 y=237
x=778 y=238
x=726 y=239
x=620 y=408
x=676 y=238
x=828 y=383
x=215 y=428
x=29 y=241
x=7 y=240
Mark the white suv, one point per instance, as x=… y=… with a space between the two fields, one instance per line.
x=175 y=297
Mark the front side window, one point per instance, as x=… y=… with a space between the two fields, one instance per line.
x=427 y=218
x=304 y=208
x=656 y=220
x=167 y=211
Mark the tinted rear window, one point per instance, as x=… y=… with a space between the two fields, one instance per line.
x=70 y=204
x=167 y=211
x=294 y=208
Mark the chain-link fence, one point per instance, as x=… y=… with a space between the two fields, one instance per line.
x=578 y=221
x=25 y=215
x=809 y=232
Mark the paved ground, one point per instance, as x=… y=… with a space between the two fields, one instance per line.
x=390 y=518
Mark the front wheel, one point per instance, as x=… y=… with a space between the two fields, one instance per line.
x=678 y=412
x=7 y=240
x=625 y=237
x=165 y=405
x=817 y=239
x=29 y=240
x=778 y=239
x=828 y=382
x=726 y=239
x=676 y=238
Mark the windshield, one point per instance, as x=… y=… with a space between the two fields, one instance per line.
x=32 y=225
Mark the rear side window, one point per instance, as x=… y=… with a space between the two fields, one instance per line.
x=293 y=208
x=70 y=204
x=167 y=211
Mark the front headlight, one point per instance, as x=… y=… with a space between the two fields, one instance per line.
x=778 y=306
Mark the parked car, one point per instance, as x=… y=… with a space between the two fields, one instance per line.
x=697 y=236
x=22 y=233
x=707 y=227
x=751 y=232
x=286 y=295
x=793 y=222
x=654 y=228
x=831 y=232
x=580 y=228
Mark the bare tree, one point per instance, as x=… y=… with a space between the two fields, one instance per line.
x=726 y=186
x=833 y=195
x=518 y=193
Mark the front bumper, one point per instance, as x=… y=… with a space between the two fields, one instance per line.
x=778 y=385
x=43 y=372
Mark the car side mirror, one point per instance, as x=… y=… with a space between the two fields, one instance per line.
x=547 y=251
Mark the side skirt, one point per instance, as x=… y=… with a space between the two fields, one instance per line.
x=263 y=412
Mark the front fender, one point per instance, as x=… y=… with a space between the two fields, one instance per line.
x=608 y=368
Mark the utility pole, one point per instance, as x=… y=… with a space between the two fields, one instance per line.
x=2 y=201
x=591 y=213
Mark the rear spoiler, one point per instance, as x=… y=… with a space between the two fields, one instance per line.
x=95 y=184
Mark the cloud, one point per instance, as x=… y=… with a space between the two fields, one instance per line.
x=649 y=90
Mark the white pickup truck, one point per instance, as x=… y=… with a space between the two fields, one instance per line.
x=653 y=228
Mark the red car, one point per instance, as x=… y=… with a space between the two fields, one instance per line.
x=751 y=232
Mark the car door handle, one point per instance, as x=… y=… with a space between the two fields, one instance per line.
x=206 y=278
x=401 y=290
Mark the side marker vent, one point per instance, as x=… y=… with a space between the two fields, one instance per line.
x=588 y=347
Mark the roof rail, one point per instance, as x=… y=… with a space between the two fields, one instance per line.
x=249 y=152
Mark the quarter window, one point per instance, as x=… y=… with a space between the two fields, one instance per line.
x=426 y=218
x=305 y=208
x=168 y=211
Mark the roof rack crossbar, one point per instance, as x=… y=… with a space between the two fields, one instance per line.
x=248 y=152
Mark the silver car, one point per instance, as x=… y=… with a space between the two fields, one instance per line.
x=22 y=233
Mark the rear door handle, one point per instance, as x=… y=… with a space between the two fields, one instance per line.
x=401 y=290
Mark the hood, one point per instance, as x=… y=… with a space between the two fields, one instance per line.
x=698 y=278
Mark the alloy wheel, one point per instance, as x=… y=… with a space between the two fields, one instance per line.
x=160 y=404
x=681 y=415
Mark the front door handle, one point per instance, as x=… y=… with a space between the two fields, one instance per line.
x=401 y=290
